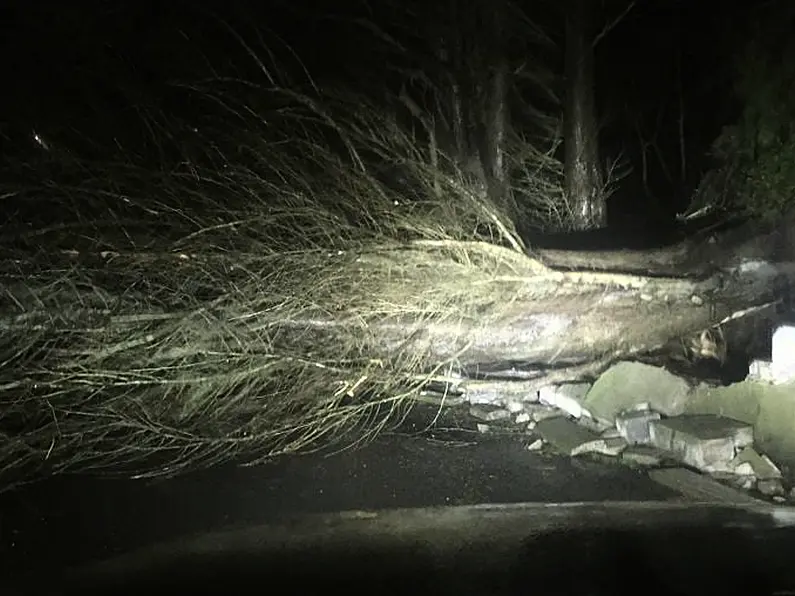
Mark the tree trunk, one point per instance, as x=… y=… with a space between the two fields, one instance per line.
x=495 y=129
x=582 y=176
x=581 y=311
x=556 y=315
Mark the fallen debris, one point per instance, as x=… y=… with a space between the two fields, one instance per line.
x=499 y=392
x=643 y=456
x=567 y=397
x=760 y=465
x=539 y=412
x=783 y=354
x=703 y=441
x=761 y=370
x=593 y=424
x=627 y=384
x=634 y=425
x=489 y=414
x=697 y=487
x=522 y=418
x=771 y=487
x=611 y=446
x=514 y=406
x=564 y=434
x=570 y=438
x=634 y=412
x=536 y=445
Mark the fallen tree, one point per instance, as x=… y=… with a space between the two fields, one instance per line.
x=243 y=372
x=268 y=305
x=555 y=308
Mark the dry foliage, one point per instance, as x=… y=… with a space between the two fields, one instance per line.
x=163 y=321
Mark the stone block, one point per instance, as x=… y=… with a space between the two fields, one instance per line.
x=702 y=441
x=634 y=425
x=565 y=435
x=783 y=353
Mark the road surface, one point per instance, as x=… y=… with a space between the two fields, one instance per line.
x=72 y=520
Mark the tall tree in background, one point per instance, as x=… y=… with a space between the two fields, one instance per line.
x=496 y=110
x=583 y=180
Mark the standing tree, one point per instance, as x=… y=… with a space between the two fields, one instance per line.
x=583 y=180
x=496 y=111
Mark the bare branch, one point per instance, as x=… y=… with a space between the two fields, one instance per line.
x=612 y=24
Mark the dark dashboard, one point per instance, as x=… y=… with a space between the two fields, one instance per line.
x=607 y=548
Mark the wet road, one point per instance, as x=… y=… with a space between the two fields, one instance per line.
x=71 y=520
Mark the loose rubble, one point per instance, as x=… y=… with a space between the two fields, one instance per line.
x=566 y=397
x=489 y=415
x=643 y=456
x=704 y=442
x=759 y=465
x=565 y=435
x=782 y=364
x=635 y=425
x=626 y=384
x=636 y=413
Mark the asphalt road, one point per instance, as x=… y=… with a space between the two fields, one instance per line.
x=72 y=520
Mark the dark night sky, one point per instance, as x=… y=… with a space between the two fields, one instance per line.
x=67 y=62
x=639 y=66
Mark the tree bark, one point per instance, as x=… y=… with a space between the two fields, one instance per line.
x=571 y=321
x=556 y=314
x=583 y=181
x=495 y=130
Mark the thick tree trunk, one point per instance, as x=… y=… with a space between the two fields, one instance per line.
x=583 y=310
x=553 y=315
x=582 y=176
x=495 y=130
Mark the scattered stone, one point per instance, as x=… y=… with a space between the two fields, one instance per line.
x=718 y=468
x=610 y=433
x=760 y=370
x=634 y=425
x=489 y=414
x=567 y=397
x=539 y=412
x=514 y=406
x=576 y=391
x=498 y=392
x=783 y=354
x=702 y=441
x=594 y=425
x=771 y=487
x=643 y=406
x=741 y=482
x=758 y=464
x=623 y=415
x=696 y=487
x=522 y=418
x=746 y=482
x=565 y=435
x=643 y=456
x=628 y=384
x=536 y=445
x=744 y=469
x=611 y=447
